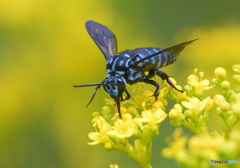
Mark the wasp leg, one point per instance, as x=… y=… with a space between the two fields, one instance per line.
x=151 y=73
x=128 y=95
x=121 y=98
x=164 y=76
x=154 y=83
x=126 y=98
x=98 y=86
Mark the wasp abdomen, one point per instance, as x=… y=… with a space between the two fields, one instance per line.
x=157 y=61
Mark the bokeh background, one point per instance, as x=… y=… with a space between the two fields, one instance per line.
x=45 y=50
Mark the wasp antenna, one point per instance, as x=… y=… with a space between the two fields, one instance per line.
x=91 y=84
x=94 y=92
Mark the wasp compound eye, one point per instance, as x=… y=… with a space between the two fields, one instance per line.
x=114 y=86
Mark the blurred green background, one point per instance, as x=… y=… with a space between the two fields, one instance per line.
x=45 y=50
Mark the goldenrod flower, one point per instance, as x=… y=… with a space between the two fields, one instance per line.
x=124 y=128
x=100 y=136
x=176 y=116
x=225 y=85
x=152 y=116
x=140 y=121
x=197 y=151
x=142 y=116
x=141 y=94
x=177 y=148
x=210 y=106
x=195 y=106
x=197 y=84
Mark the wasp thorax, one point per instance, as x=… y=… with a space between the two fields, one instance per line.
x=114 y=85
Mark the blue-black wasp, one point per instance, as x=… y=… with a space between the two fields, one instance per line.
x=129 y=66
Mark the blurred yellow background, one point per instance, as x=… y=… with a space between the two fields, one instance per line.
x=45 y=50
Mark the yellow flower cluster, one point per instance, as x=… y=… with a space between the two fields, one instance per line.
x=192 y=110
x=198 y=151
x=142 y=117
x=228 y=103
x=196 y=85
x=195 y=111
x=140 y=120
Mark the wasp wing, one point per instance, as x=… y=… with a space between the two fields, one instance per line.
x=103 y=37
x=175 y=50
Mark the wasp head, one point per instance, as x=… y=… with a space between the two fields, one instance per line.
x=114 y=86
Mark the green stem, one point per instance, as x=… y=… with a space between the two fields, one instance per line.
x=186 y=125
x=133 y=153
x=148 y=155
x=149 y=151
x=230 y=125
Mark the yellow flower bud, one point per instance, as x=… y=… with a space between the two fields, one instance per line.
x=181 y=96
x=94 y=120
x=201 y=75
x=106 y=110
x=192 y=79
x=174 y=114
x=187 y=88
x=123 y=110
x=178 y=107
x=225 y=106
x=198 y=93
x=164 y=102
x=157 y=104
x=220 y=73
x=109 y=146
x=225 y=85
x=188 y=113
x=95 y=114
x=195 y=71
x=132 y=110
x=210 y=106
x=219 y=99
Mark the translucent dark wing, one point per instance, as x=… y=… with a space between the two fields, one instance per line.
x=103 y=37
x=175 y=50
